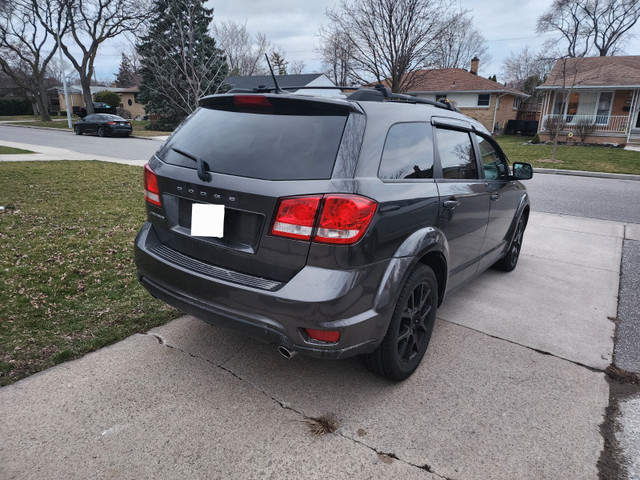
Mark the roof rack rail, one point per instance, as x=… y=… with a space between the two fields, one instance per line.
x=377 y=93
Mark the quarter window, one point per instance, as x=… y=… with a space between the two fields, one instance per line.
x=457 y=156
x=484 y=99
x=408 y=152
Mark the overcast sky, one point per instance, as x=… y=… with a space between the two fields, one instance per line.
x=293 y=25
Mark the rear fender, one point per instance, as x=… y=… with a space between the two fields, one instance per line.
x=410 y=252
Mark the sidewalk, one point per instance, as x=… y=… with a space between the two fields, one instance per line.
x=512 y=387
x=43 y=153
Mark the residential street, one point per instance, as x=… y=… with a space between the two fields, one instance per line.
x=513 y=384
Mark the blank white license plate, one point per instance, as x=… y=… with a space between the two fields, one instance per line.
x=207 y=220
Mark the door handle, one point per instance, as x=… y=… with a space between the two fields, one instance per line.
x=495 y=196
x=451 y=204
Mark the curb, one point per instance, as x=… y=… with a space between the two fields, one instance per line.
x=70 y=130
x=580 y=173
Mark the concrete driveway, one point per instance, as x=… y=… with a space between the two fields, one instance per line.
x=511 y=387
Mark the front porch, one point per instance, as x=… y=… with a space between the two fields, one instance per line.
x=591 y=116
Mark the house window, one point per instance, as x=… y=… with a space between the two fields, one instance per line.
x=604 y=108
x=484 y=99
x=517 y=101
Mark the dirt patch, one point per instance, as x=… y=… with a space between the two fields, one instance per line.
x=548 y=160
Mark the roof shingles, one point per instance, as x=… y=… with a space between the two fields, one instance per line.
x=595 y=72
x=455 y=80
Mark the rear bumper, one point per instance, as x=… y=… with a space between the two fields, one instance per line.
x=315 y=298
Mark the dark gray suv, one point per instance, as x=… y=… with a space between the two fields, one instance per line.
x=329 y=227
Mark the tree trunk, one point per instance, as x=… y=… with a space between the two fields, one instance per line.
x=42 y=99
x=85 y=82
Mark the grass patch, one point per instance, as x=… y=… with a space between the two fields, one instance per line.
x=10 y=118
x=11 y=151
x=583 y=158
x=138 y=126
x=68 y=279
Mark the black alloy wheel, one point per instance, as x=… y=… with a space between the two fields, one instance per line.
x=410 y=329
x=510 y=260
x=101 y=131
x=76 y=130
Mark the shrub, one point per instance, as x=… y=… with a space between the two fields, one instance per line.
x=536 y=139
x=584 y=128
x=15 y=106
x=554 y=124
x=107 y=96
x=122 y=112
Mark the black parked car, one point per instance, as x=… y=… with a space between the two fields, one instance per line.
x=103 y=124
x=330 y=227
x=98 y=107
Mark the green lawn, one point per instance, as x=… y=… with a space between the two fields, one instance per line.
x=66 y=262
x=138 y=126
x=584 y=158
x=11 y=151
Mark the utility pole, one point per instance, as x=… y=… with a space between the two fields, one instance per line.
x=64 y=82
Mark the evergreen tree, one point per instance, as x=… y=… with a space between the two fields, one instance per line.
x=127 y=74
x=278 y=63
x=179 y=61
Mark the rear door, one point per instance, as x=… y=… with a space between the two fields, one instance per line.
x=464 y=201
x=255 y=149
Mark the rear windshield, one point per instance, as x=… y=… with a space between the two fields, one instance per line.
x=265 y=146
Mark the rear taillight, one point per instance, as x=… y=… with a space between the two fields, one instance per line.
x=111 y=123
x=295 y=217
x=343 y=218
x=151 y=190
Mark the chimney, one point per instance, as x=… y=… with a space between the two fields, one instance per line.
x=474 y=65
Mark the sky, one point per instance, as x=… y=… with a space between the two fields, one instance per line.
x=293 y=25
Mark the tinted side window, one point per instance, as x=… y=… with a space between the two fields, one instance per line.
x=495 y=167
x=457 y=157
x=408 y=152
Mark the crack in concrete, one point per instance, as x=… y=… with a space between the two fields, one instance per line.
x=425 y=467
x=513 y=342
x=286 y=406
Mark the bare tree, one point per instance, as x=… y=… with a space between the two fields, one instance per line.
x=585 y=26
x=391 y=39
x=91 y=23
x=245 y=55
x=518 y=68
x=459 y=43
x=335 y=52
x=611 y=21
x=567 y=18
x=57 y=69
x=296 y=67
x=25 y=51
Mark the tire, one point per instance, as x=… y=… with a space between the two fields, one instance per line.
x=76 y=130
x=101 y=132
x=409 y=333
x=510 y=259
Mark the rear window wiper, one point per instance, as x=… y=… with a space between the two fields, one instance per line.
x=202 y=171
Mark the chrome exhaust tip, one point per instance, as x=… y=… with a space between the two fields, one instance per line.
x=286 y=353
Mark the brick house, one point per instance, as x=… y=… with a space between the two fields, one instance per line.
x=489 y=102
x=128 y=98
x=601 y=91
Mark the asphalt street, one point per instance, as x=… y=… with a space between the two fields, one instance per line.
x=513 y=384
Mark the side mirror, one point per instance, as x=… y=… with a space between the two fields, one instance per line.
x=522 y=171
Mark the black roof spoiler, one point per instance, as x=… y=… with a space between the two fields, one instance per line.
x=377 y=93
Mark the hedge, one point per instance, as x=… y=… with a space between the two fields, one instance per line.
x=15 y=106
